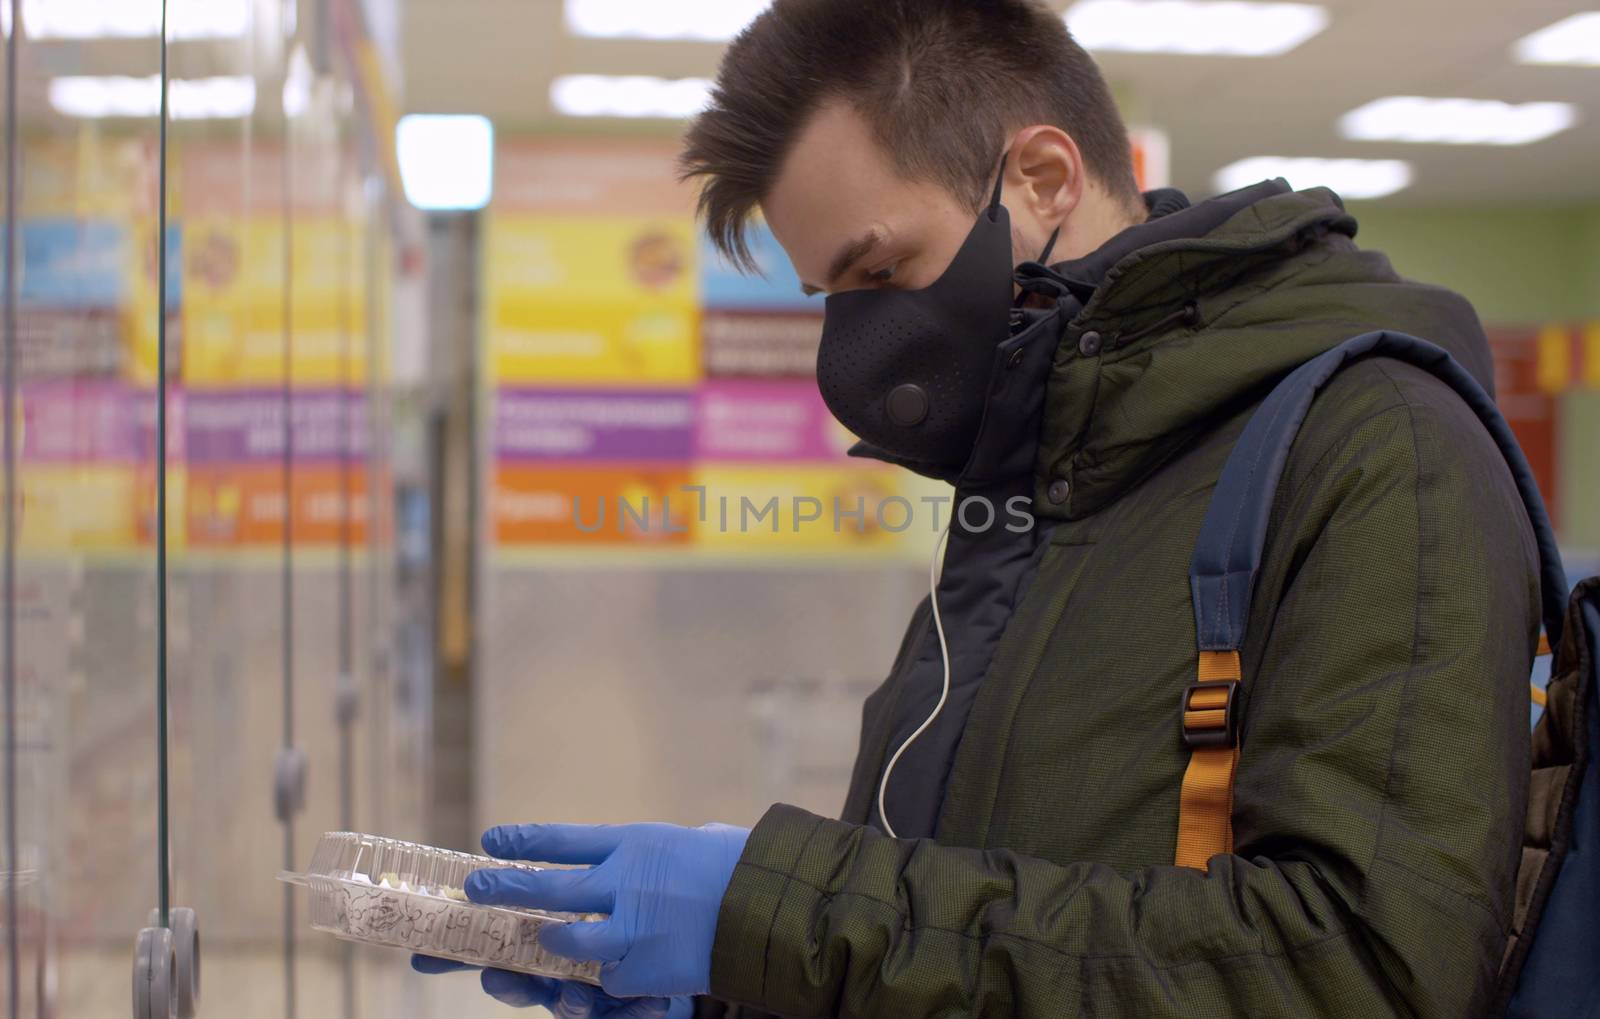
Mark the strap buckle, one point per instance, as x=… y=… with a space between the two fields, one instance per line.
x=1211 y=714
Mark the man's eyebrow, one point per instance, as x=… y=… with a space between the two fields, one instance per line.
x=848 y=256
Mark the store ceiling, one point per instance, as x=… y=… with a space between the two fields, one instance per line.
x=497 y=57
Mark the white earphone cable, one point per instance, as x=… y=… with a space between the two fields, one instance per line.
x=944 y=692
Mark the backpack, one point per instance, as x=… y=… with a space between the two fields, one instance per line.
x=1551 y=968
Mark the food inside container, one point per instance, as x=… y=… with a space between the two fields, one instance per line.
x=383 y=891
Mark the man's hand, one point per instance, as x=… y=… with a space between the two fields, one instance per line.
x=661 y=884
x=566 y=999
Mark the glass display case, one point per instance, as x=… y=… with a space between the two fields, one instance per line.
x=205 y=226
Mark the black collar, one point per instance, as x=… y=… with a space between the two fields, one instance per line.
x=1170 y=217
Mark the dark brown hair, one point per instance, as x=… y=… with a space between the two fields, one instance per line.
x=940 y=83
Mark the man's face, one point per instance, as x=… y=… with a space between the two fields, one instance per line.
x=849 y=220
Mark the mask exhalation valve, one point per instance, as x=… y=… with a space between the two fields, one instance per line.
x=907 y=404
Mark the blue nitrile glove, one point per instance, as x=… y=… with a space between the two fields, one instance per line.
x=661 y=884
x=567 y=999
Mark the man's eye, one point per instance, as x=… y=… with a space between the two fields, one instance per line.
x=883 y=275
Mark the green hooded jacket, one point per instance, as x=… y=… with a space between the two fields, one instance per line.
x=1382 y=783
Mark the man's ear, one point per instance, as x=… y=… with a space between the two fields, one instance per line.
x=1045 y=176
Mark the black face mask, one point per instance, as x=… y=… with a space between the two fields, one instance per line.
x=908 y=370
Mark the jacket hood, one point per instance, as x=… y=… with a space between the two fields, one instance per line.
x=1191 y=331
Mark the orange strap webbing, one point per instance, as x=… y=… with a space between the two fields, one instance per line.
x=1210 y=728
x=1540 y=697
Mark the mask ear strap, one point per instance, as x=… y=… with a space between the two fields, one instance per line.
x=999 y=179
x=1049 y=246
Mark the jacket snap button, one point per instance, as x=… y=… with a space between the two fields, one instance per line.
x=1089 y=343
x=1015 y=358
x=1059 y=490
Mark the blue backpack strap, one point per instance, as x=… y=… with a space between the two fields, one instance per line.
x=1227 y=555
x=1551 y=973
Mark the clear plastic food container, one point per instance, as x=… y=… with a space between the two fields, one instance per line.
x=386 y=892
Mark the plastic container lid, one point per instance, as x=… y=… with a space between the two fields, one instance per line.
x=382 y=891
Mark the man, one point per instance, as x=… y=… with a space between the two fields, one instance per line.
x=1031 y=715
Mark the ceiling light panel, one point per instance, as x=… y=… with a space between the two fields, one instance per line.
x=187 y=99
x=1228 y=28
x=1456 y=121
x=446 y=161
x=1574 y=40
x=704 y=20
x=127 y=19
x=599 y=95
x=1351 y=178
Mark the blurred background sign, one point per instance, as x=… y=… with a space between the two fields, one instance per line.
x=479 y=454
